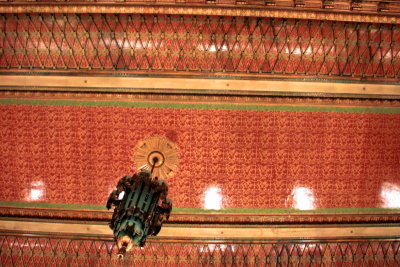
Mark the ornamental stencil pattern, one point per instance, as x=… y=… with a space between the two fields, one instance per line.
x=200 y=44
x=53 y=251
x=258 y=159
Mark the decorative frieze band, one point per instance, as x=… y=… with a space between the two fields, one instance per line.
x=109 y=9
x=200 y=45
x=206 y=218
x=356 y=11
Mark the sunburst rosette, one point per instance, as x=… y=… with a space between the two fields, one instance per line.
x=157 y=151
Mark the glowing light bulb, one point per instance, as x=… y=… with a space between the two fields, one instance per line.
x=36 y=192
x=390 y=195
x=213 y=198
x=303 y=198
x=121 y=195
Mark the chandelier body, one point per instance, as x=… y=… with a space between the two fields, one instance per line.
x=140 y=206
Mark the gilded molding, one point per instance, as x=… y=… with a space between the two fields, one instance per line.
x=205 y=218
x=292 y=13
x=201 y=98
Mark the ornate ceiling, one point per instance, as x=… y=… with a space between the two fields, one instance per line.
x=271 y=103
x=189 y=52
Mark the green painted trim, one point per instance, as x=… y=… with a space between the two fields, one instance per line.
x=199 y=210
x=51 y=205
x=290 y=211
x=196 y=106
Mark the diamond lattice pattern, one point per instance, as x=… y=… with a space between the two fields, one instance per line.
x=50 y=251
x=201 y=44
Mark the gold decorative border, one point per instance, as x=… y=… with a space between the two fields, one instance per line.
x=198 y=86
x=55 y=214
x=216 y=232
x=288 y=12
x=195 y=218
x=205 y=218
x=317 y=100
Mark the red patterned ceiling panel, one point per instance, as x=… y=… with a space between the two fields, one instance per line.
x=200 y=44
x=255 y=159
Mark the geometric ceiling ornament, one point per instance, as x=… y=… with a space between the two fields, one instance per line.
x=158 y=155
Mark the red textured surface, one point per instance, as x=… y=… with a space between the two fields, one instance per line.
x=200 y=44
x=77 y=154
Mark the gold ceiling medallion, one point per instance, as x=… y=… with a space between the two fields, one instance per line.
x=158 y=155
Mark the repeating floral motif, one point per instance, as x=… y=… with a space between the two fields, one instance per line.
x=76 y=154
x=52 y=251
x=200 y=44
